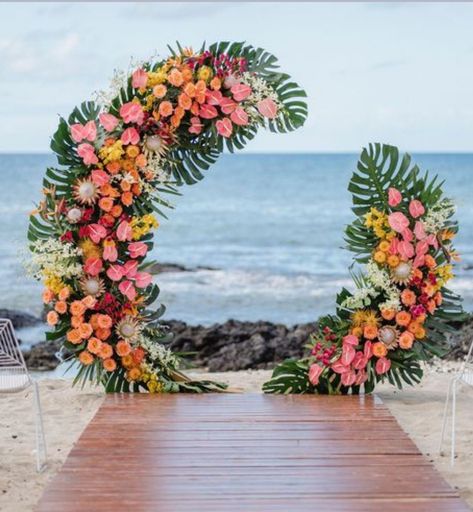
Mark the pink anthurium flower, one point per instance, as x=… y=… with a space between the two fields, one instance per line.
x=87 y=153
x=240 y=92
x=419 y=261
x=80 y=132
x=115 y=272
x=394 y=196
x=132 y=112
x=196 y=125
x=143 y=279
x=130 y=136
x=239 y=117
x=137 y=249
x=96 y=232
x=382 y=365
x=348 y=378
x=407 y=235
x=416 y=208
x=100 y=177
x=361 y=378
x=227 y=105
x=315 y=371
x=348 y=354
x=130 y=268
x=139 y=78
x=339 y=367
x=214 y=97
x=432 y=240
x=419 y=230
x=224 y=127
x=350 y=339
x=394 y=246
x=110 y=252
x=360 y=361
x=406 y=250
x=127 y=289
x=108 y=121
x=368 y=350
x=267 y=108
x=422 y=248
x=124 y=231
x=93 y=266
x=398 y=221
x=207 y=111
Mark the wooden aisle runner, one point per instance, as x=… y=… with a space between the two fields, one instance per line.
x=234 y=453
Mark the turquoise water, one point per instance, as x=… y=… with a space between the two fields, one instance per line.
x=271 y=224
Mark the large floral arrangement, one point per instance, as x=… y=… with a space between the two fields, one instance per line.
x=401 y=309
x=159 y=127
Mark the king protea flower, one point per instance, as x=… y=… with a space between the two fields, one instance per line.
x=85 y=192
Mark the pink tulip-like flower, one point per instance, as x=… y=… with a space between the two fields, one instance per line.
x=350 y=339
x=368 y=350
x=110 y=252
x=361 y=377
x=115 y=272
x=87 y=153
x=96 y=232
x=406 y=250
x=130 y=268
x=382 y=365
x=108 y=121
x=240 y=92
x=227 y=105
x=100 y=177
x=213 y=97
x=407 y=235
x=124 y=231
x=348 y=378
x=207 y=111
x=314 y=374
x=394 y=196
x=127 y=289
x=398 y=221
x=419 y=230
x=267 y=108
x=143 y=279
x=93 y=266
x=239 y=117
x=394 y=246
x=132 y=112
x=196 y=125
x=432 y=240
x=80 y=132
x=137 y=249
x=348 y=354
x=339 y=367
x=130 y=136
x=139 y=78
x=416 y=208
x=224 y=127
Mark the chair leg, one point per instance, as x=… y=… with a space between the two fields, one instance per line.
x=454 y=406
x=41 y=454
x=445 y=414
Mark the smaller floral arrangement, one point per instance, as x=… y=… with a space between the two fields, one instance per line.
x=401 y=309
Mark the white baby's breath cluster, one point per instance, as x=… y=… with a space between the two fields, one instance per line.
x=53 y=257
x=361 y=298
x=438 y=215
x=260 y=91
x=157 y=352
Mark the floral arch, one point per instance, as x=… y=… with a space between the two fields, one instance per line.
x=119 y=158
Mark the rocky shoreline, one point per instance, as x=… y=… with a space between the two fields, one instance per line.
x=230 y=346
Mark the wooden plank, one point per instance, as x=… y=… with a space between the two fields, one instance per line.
x=231 y=453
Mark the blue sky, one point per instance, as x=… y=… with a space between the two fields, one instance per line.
x=393 y=72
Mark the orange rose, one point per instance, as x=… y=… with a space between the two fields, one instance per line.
x=73 y=336
x=393 y=260
x=429 y=289
x=195 y=108
x=175 y=121
x=48 y=296
x=108 y=190
x=106 y=351
x=94 y=321
x=215 y=83
x=413 y=326
x=106 y=204
x=77 y=308
x=86 y=358
x=184 y=101
x=408 y=297
x=431 y=306
x=133 y=374
x=113 y=167
x=189 y=89
x=127 y=361
x=103 y=334
x=406 y=340
x=116 y=211
x=85 y=331
x=165 y=108
x=125 y=185
x=429 y=261
x=357 y=331
x=104 y=321
x=187 y=74
x=132 y=151
x=370 y=332
x=136 y=189
x=94 y=345
x=438 y=298
x=89 y=301
x=388 y=314
x=379 y=349
x=138 y=355
x=141 y=161
x=109 y=365
x=403 y=318
x=123 y=348
x=160 y=91
x=52 y=318
x=175 y=78
x=127 y=198
x=64 y=293
x=420 y=333
x=76 y=321
x=61 y=307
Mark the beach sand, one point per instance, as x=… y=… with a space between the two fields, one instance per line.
x=67 y=411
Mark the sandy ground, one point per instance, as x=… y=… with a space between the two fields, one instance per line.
x=67 y=411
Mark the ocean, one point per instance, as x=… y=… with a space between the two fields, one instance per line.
x=271 y=225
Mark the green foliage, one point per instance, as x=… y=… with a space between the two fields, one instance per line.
x=289 y=377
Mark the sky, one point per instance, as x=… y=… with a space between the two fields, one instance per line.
x=399 y=73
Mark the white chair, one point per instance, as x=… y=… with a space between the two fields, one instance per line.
x=465 y=376
x=14 y=377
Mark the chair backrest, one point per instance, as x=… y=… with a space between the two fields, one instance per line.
x=466 y=371
x=13 y=372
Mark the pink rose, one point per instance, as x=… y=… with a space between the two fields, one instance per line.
x=348 y=378
x=227 y=105
x=132 y=112
x=87 y=153
x=239 y=117
x=93 y=266
x=127 y=289
x=108 y=121
x=143 y=279
x=419 y=230
x=406 y=250
x=87 y=131
x=115 y=272
x=196 y=125
x=416 y=208
x=139 y=78
x=124 y=231
x=207 y=111
x=240 y=92
x=314 y=374
x=394 y=196
x=213 y=97
x=398 y=221
x=267 y=108
x=348 y=354
x=100 y=177
x=130 y=136
x=224 y=127
x=96 y=232
x=137 y=249
x=382 y=365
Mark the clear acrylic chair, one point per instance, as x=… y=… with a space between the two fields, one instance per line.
x=464 y=376
x=14 y=377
